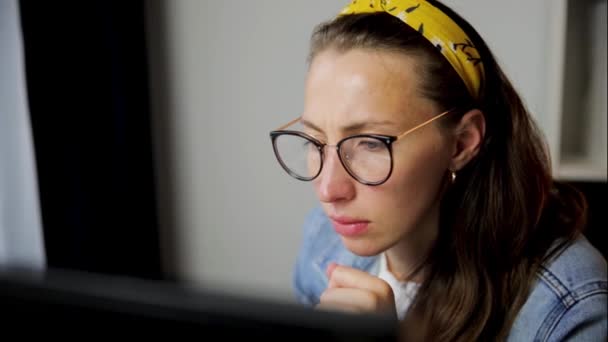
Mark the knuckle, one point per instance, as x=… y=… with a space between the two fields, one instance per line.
x=372 y=300
x=385 y=290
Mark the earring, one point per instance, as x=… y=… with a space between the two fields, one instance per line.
x=453 y=176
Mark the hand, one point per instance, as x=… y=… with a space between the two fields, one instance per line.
x=353 y=290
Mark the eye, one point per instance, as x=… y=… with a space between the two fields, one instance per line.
x=370 y=145
x=309 y=145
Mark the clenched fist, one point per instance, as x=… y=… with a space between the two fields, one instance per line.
x=356 y=291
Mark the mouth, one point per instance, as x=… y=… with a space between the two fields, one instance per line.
x=349 y=227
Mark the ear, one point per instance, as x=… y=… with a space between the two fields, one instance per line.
x=469 y=134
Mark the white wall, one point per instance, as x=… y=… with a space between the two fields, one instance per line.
x=228 y=72
x=231 y=71
x=517 y=32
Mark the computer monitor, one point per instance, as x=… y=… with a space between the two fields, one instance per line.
x=70 y=304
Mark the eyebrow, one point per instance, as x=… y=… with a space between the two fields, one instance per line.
x=353 y=127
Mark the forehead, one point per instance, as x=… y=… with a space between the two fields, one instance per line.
x=362 y=85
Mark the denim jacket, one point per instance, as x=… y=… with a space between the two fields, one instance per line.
x=567 y=302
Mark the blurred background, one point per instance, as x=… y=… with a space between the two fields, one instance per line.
x=134 y=135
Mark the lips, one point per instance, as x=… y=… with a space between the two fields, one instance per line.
x=350 y=227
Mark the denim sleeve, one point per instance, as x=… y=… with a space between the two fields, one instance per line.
x=584 y=321
x=304 y=277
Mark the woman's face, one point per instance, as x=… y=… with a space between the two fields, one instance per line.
x=364 y=91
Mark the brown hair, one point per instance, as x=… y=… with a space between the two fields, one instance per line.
x=503 y=217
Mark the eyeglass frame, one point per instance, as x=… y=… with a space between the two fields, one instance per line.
x=388 y=140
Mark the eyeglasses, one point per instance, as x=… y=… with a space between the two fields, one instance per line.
x=368 y=158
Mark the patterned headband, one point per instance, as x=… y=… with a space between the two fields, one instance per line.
x=436 y=27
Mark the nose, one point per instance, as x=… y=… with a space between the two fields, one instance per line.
x=334 y=184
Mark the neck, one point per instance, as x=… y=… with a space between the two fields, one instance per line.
x=405 y=260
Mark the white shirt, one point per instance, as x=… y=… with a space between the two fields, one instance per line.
x=404 y=291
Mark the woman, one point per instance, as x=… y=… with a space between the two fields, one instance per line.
x=438 y=204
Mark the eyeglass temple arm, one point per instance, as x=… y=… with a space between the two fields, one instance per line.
x=289 y=123
x=424 y=123
x=398 y=137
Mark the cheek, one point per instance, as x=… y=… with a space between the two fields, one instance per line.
x=422 y=171
x=415 y=182
x=316 y=184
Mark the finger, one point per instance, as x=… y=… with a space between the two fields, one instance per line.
x=348 y=277
x=351 y=298
x=330 y=269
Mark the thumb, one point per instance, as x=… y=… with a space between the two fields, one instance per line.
x=330 y=269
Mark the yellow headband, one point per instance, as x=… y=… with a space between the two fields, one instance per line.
x=436 y=27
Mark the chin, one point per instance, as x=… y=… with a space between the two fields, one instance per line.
x=362 y=247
